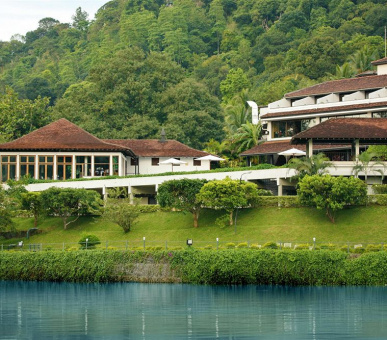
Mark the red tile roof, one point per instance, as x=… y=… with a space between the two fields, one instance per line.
x=379 y=61
x=327 y=109
x=340 y=86
x=273 y=147
x=156 y=148
x=64 y=136
x=367 y=130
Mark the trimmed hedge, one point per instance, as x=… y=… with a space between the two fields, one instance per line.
x=234 y=266
x=380 y=199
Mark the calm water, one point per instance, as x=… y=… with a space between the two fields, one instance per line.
x=33 y=310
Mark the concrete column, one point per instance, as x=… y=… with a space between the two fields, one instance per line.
x=111 y=165
x=92 y=171
x=73 y=170
x=104 y=193
x=55 y=170
x=17 y=167
x=36 y=175
x=130 y=196
x=120 y=165
x=309 y=148
x=279 y=185
x=357 y=148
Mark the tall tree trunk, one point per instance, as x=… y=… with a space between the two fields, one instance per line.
x=196 y=218
x=231 y=219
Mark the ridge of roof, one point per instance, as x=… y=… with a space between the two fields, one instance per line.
x=61 y=134
x=341 y=85
x=346 y=128
x=381 y=61
x=157 y=148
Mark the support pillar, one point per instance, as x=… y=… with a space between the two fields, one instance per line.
x=309 y=148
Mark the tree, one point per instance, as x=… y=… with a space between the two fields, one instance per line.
x=363 y=164
x=5 y=211
x=32 y=202
x=331 y=193
x=119 y=210
x=80 y=20
x=67 y=203
x=228 y=194
x=235 y=82
x=247 y=136
x=181 y=194
x=21 y=116
x=315 y=165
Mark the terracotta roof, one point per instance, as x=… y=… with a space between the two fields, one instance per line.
x=340 y=86
x=62 y=135
x=367 y=130
x=273 y=147
x=326 y=109
x=379 y=61
x=156 y=148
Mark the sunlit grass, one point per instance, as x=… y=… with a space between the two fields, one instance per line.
x=363 y=224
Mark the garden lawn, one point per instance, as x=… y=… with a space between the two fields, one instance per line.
x=260 y=225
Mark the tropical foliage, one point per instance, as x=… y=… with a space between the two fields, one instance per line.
x=139 y=66
x=331 y=193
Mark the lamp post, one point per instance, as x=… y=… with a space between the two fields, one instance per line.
x=87 y=240
x=189 y=242
x=314 y=243
x=143 y=242
x=217 y=243
x=245 y=173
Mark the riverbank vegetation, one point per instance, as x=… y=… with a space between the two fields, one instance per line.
x=240 y=266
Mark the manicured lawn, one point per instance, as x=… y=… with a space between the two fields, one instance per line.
x=355 y=225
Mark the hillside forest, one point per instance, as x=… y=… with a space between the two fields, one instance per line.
x=186 y=65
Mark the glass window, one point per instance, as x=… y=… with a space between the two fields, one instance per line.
x=46 y=167
x=27 y=166
x=286 y=128
x=155 y=161
x=82 y=166
x=382 y=114
x=8 y=168
x=64 y=166
x=101 y=165
x=197 y=162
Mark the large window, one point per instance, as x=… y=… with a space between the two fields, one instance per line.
x=46 y=167
x=27 y=166
x=64 y=166
x=290 y=128
x=8 y=168
x=82 y=166
x=101 y=165
x=382 y=114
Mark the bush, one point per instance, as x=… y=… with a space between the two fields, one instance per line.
x=264 y=192
x=328 y=246
x=208 y=246
x=302 y=247
x=359 y=250
x=230 y=245
x=270 y=245
x=380 y=188
x=373 y=248
x=242 y=245
x=92 y=241
x=149 y=208
x=255 y=246
x=380 y=199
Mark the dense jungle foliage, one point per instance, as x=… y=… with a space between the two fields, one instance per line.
x=186 y=65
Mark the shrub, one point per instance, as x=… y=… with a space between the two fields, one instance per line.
x=230 y=245
x=242 y=245
x=380 y=199
x=380 y=188
x=208 y=246
x=345 y=248
x=92 y=241
x=222 y=221
x=264 y=192
x=328 y=246
x=270 y=245
x=373 y=248
x=359 y=250
x=302 y=247
x=255 y=246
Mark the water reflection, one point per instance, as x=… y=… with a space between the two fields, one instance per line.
x=36 y=310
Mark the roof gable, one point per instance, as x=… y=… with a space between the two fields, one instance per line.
x=341 y=86
x=371 y=130
x=157 y=148
x=61 y=135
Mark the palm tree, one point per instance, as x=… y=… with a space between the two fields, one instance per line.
x=315 y=165
x=363 y=164
x=247 y=136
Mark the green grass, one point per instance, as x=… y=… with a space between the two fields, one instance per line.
x=362 y=225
